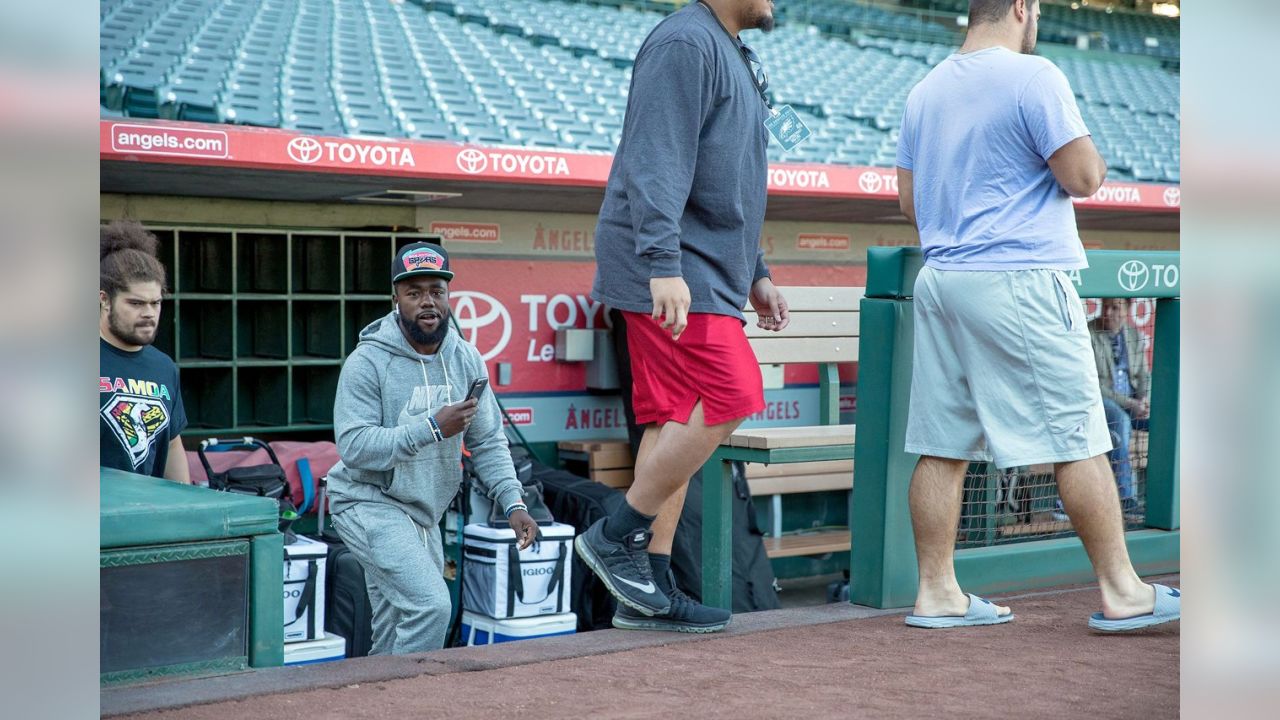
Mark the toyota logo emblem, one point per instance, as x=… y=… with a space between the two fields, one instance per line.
x=304 y=150
x=472 y=161
x=1133 y=276
x=475 y=312
x=871 y=182
x=1173 y=196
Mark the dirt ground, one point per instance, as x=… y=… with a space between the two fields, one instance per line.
x=1046 y=664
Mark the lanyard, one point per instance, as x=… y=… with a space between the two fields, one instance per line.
x=747 y=55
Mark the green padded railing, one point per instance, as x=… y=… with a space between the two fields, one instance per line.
x=146 y=520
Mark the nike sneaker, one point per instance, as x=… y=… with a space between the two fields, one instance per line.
x=623 y=567
x=686 y=615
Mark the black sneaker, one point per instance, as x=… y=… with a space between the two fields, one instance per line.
x=686 y=615
x=623 y=567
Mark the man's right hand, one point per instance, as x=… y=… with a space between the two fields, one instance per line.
x=454 y=419
x=671 y=303
x=1142 y=409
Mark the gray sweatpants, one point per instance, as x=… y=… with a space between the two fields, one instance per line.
x=404 y=571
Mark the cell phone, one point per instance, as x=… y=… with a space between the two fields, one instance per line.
x=477 y=386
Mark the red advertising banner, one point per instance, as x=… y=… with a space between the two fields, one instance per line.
x=510 y=309
x=237 y=146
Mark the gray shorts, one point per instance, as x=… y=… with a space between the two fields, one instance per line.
x=1003 y=370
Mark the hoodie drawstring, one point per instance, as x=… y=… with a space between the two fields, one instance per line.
x=448 y=386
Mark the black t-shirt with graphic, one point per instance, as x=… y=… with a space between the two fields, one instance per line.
x=140 y=409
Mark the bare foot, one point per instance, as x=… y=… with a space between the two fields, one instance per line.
x=1118 y=606
x=950 y=603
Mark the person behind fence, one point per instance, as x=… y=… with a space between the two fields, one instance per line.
x=1125 y=381
x=678 y=251
x=140 y=412
x=400 y=420
x=992 y=148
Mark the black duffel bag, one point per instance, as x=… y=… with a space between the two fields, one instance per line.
x=262 y=480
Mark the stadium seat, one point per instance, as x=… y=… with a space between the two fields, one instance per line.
x=555 y=74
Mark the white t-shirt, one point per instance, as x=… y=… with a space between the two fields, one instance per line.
x=977 y=134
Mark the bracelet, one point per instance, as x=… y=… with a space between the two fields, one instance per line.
x=435 y=429
x=515 y=507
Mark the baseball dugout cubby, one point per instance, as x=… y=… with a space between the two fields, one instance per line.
x=260 y=320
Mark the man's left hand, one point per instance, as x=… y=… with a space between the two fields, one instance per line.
x=524 y=526
x=770 y=306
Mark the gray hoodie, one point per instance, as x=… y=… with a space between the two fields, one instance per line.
x=385 y=394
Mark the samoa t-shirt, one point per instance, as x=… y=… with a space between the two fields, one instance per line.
x=139 y=409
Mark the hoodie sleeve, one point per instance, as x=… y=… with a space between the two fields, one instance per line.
x=487 y=443
x=363 y=443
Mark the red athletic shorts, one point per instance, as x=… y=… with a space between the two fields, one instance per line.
x=712 y=362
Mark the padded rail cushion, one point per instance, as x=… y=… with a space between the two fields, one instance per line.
x=891 y=272
x=140 y=510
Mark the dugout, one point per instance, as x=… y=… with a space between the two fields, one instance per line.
x=277 y=246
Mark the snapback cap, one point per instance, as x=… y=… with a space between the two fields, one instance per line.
x=420 y=258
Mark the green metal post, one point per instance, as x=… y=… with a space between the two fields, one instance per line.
x=1163 y=496
x=828 y=394
x=266 y=610
x=717 y=532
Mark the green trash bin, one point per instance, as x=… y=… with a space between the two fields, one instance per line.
x=191 y=580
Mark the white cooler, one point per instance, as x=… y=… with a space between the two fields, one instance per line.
x=304 y=590
x=501 y=581
x=329 y=647
x=481 y=630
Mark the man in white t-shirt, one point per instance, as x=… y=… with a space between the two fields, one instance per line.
x=991 y=151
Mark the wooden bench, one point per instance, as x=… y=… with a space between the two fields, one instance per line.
x=774 y=481
x=823 y=331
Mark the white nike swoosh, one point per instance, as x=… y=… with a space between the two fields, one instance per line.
x=647 y=587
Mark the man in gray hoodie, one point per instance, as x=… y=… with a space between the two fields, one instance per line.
x=400 y=418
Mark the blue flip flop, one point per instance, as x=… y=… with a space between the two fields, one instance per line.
x=1168 y=609
x=981 y=612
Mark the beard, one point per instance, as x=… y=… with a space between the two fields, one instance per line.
x=422 y=337
x=1029 y=40
x=138 y=334
x=763 y=22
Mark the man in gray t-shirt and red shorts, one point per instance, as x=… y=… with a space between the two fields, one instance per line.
x=991 y=150
x=678 y=252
